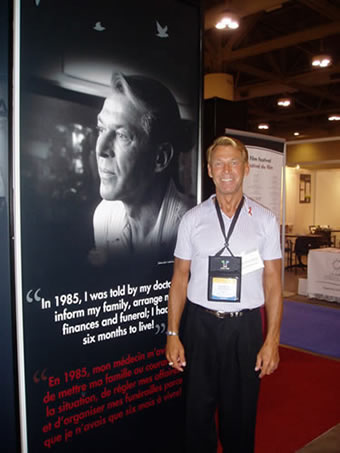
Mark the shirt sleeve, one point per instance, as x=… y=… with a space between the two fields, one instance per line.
x=183 y=249
x=272 y=246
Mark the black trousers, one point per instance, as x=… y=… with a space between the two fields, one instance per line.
x=221 y=357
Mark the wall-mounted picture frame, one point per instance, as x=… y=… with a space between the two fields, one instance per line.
x=305 y=183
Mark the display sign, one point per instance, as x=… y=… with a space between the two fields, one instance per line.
x=266 y=161
x=107 y=164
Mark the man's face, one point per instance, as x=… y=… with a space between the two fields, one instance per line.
x=124 y=156
x=227 y=169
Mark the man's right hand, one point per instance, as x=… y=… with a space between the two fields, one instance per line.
x=175 y=352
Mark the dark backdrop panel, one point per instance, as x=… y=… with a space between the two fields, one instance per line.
x=219 y=114
x=8 y=419
x=96 y=378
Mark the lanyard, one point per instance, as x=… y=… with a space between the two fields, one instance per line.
x=232 y=225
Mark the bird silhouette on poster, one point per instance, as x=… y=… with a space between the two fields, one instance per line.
x=162 y=32
x=99 y=27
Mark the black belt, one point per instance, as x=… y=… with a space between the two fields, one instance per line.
x=222 y=314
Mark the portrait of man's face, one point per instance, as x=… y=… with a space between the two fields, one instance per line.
x=125 y=156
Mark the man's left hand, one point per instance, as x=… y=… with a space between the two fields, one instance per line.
x=267 y=359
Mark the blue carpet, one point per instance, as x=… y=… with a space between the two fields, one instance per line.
x=311 y=327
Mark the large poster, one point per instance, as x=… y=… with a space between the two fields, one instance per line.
x=107 y=165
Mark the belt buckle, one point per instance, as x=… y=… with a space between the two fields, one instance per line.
x=220 y=314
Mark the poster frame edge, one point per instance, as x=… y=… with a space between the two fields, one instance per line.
x=17 y=225
x=200 y=108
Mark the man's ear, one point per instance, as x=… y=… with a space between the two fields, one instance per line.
x=247 y=169
x=165 y=152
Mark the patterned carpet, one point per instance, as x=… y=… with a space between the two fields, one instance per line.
x=311 y=327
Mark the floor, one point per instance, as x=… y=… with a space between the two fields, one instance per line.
x=328 y=442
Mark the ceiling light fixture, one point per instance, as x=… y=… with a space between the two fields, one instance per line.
x=296 y=134
x=321 y=61
x=334 y=118
x=263 y=126
x=284 y=102
x=228 y=20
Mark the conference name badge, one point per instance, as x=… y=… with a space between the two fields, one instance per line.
x=224 y=278
x=251 y=261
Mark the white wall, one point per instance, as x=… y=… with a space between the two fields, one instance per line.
x=327 y=205
x=324 y=208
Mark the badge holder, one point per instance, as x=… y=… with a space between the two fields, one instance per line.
x=224 y=278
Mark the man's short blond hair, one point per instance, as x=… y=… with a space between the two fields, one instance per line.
x=228 y=141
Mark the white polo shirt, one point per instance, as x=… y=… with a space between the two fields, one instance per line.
x=200 y=236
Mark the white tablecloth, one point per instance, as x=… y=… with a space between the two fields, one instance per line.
x=323 y=274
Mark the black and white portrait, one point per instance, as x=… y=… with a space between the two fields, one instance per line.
x=109 y=135
x=140 y=137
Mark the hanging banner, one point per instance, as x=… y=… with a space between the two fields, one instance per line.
x=107 y=163
x=264 y=182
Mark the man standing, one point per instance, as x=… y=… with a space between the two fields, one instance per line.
x=227 y=265
x=140 y=133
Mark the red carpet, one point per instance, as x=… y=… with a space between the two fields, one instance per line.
x=300 y=401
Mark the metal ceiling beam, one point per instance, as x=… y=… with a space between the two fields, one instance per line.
x=285 y=41
x=322 y=7
x=260 y=90
x=310 y=131
x=281 y=117
x=241 y=8
x=289 y=83
x=314 y=78
x=247 y=26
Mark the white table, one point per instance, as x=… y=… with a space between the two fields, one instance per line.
x=323 y=274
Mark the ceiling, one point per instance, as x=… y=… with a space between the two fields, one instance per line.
x=269 y=56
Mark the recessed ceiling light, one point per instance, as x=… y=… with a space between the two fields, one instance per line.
x=233 y=25
x=321 y=61
x=334 y=118
x=284 y=102
x=263 y=126
x=220 y=25
x=228 y=20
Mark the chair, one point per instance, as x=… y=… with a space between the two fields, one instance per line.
x=301 y=248
x=289 y=253
x=325 y=232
